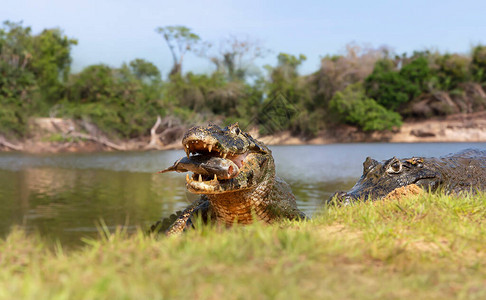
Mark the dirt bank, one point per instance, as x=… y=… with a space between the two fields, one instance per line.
x=453 y=128
x=55 y=135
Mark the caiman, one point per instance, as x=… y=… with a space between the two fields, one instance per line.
x=235 y=175
x=454 y=173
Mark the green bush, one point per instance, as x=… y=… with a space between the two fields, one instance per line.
x=17 y=81
x=478 y=63
x=51 y=63
x=418 y=72
x=16 y=93
x=391 y=87
x=453 y=70
x=355 y=108
x=123 y=102
x=13 y=121
x=95 y=83
x=287 y=95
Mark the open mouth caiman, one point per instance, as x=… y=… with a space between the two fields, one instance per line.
x=235 y=175
x=462 y=171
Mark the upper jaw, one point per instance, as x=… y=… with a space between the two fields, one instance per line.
x=209 y=146
x=213 y=148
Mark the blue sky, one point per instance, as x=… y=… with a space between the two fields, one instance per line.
x=117 y=31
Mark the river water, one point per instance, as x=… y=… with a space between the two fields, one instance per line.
x=65 y=196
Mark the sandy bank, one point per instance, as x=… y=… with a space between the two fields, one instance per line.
x=453 y=128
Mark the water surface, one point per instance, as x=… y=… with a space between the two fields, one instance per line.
x=64 y=196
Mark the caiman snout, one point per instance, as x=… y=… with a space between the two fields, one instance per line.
x=340 y=198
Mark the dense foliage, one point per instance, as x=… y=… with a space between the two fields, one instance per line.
x=355 y=108
x=372 y=89
x=392 y=87
x=123 y=102
x=33 y=69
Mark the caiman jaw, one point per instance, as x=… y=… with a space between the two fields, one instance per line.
x=210 y=184
x=211 y=148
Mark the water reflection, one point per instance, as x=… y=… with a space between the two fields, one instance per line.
x=64 y=196
x=68 y=203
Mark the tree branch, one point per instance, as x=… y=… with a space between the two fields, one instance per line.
x=154 y=137
x=7 y=144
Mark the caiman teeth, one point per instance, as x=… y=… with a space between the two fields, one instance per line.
x=188 y=152
x=224 y=154
x=210 y=147
x=199 y=182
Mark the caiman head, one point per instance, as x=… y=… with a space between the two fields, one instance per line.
x=380 y=179
x=223 y=160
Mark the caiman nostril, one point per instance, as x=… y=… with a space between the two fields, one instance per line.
x=338 y=197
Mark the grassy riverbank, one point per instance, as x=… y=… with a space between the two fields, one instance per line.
x=423 y=247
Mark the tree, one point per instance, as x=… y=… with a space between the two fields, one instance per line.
x=453 y=70
x=338 y=71
x=287 y=97
x=180 y=40
x=118 y=100
x=51 y=62
x=288 y=64
x=94 y=83
x=46 y=56
x=353 y=107
x=478 y=63
x=144 y=70
x=391 y=87
x=17 y=81
x=236 y=57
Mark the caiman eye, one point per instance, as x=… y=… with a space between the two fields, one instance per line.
x=394 y=168
x=234 y=128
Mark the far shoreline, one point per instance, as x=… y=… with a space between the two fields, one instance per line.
x=467 y=128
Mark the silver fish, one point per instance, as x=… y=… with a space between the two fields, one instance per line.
x=205 y=165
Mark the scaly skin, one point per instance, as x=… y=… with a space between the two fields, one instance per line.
x=243 y=189
x=462 y=171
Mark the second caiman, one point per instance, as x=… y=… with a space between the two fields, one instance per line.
x=459 y=172
x=235 y=175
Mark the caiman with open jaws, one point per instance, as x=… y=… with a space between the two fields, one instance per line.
x=235 y=175
x=454 y=173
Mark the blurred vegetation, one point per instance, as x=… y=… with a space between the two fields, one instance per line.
x=392 y=86
x=122 y=101
x=373 y=89
x=355 y=108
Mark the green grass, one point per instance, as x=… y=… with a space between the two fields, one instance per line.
x=57 y=137
x=422 y=247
